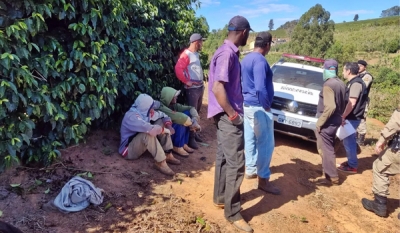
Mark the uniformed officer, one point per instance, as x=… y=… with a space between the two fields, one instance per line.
x=387 y=164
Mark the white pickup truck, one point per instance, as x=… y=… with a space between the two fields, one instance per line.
x=297 y=87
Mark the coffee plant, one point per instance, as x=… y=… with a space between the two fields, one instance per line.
x=66 y=65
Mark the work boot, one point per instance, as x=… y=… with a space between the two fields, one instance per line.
x=198 y=138
x=325 y=180
x=361 y=139
x=163 y=168
x=192 y=141
x=172 y=160
x=180 y=151
x=188 y=149
x=265 y=185
x=242 y=225
x=378 y=205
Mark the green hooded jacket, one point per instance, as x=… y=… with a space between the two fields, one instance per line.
x=175 y=111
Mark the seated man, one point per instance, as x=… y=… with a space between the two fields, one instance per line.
x=143 y=129
x=185 y=121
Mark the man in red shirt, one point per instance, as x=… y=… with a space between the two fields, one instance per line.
x=189 y=72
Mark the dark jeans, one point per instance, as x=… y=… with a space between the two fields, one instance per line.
x=229 y=166
x=195 y=97
x=326 y=147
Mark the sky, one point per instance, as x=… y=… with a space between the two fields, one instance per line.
x=259 y=12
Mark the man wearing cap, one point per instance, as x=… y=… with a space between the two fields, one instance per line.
x=367 y=78
x=184 y=120
x=189 y=72
x=258 y=92
x=356 y=100
x=144 y=129
x=388 y=164
x=331 y=104
x=225 y=106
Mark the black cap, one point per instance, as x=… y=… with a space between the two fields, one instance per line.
x=239 y=23
x=362 y=62
x=264 y=37
x=195 y=37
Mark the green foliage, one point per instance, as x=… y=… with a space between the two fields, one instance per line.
x=393 y=11
x=341 y=52
x=67 y=65
x=313 y=35
x=271 y=24
x=356 y=18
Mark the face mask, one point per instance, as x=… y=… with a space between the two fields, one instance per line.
x=328 y=74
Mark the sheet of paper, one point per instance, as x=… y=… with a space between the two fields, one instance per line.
x=345 y=131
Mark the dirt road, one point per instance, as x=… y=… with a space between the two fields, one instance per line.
x=139 y=199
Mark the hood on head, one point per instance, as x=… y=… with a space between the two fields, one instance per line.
x=143 y=104
x=167 y=94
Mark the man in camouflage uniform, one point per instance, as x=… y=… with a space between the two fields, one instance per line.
x=386 y=165
x=367 y=78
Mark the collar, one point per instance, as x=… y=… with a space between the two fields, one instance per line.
x=232 y=46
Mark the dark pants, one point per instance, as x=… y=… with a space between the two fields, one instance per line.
x=195 y=97
x=181 y=135
x=326 y=148
x=229 y=166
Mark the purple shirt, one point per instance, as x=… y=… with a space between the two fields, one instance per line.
x=225 y=67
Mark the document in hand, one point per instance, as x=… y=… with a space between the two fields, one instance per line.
x=344 y=131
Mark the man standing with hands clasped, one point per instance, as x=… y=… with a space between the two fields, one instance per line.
x=258 y=92
x=331 y=104
x=189 y=72
x=225 y=106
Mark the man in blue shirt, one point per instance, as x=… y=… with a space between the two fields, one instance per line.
x=258 y=92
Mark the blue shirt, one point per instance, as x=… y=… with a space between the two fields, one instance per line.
x=225 y=68
x=258 y=89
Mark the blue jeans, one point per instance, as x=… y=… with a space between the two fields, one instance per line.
x=181 y=135
x=259 y=141
x=350 y=144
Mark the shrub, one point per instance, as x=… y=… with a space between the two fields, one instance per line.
x=65 y=65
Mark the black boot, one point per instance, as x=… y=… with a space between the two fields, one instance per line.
x=198 y=138
x=192 y=141
x=361 y=139
x=378 y=205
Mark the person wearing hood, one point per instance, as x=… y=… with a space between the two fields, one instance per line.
x=144 y=129
x=185 y=121
x=331 y=104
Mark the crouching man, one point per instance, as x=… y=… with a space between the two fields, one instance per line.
x=386 y=165
x=185 y=121
x=144 y=129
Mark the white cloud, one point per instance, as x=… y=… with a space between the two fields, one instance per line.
x=263 y=9
x=205 y=3
x=350 y=13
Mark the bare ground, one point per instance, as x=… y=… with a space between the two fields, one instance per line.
x=140 y=199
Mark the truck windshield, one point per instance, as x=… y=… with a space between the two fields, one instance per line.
x=298 y=77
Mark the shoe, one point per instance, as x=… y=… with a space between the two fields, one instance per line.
x=220 y=206
x=378 y=205
x=163 y=168
x=265 y=185
x=252 y=176
x=242 y=225
x=180 y=151
x=325 y=180
x=188 y=149
x=198 y=138
x=192 y=141
x=347 y=169
x=172 y=160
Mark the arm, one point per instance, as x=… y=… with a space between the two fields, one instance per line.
x=260 y=76
x=181 y=68
x=349 y=107
x=329 y=106
x=220 y=94
x=391 y=128
x=135 y=123
x=355 y=92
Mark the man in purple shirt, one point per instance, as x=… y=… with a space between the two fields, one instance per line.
x=225 y=105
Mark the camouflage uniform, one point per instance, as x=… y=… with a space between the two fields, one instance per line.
x=362 y=128
x=389 y=162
